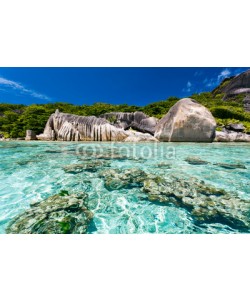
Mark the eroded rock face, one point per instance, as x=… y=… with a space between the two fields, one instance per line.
x=60 y=213
x=246 y=103
x=30 y=135
x=235 y=127
x=186 y=121
x=136 y=120
x=231 y=136
x=238 y=85
x=68 y=127
x=140 y=137
x=146 y=125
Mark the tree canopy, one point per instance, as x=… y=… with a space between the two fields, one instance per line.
x=15 y=119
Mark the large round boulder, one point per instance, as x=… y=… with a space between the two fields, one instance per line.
x=231 y=136
x=186 y=121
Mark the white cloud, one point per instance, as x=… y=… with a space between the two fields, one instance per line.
x=198 y=73
x=215 y=81
x=188 y=87
x=224 y=74
x=211 y=82
x=17 y=86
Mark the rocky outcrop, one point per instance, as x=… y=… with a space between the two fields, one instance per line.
x=231 y=136
x=235 y=127
x=30 y=135
x=140 y=137
x=246 y=103
x=62 y=213
x=238 y=85
x=234 y=86
x=186 y=121
x=136 y=120
x=68 y=127
x=146 y=125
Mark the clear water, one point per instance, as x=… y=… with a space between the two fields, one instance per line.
x=33 y=171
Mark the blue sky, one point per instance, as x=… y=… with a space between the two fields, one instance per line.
x=138 y=86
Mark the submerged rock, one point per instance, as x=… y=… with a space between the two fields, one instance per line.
x=123 y=179
x=186 y=121
x=164 y=165
x=53 y=151
x=206 y=203
x=92 y=166
x=231 y=165
x=112 y=156
x=194 y=160
x=60 y=213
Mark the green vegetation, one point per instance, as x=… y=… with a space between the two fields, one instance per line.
x=16 y=119
x=112 y=119
x=160 y=108
x=225 y=112
x=219 y=89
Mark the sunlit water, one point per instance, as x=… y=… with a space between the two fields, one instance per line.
x=33 y=171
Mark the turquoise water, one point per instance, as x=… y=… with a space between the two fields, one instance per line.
x=33 y=171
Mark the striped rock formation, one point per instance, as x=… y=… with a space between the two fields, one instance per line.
x=240 y=84
x=136 y=120
x=68 y=127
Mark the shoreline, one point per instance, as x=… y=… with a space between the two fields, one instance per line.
x=123 y=142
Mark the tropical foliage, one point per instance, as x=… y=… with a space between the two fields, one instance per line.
x=16 y=119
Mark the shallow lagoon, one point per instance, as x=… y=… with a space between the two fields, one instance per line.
x=33 y=171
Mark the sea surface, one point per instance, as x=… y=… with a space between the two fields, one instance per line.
x=33 y=171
